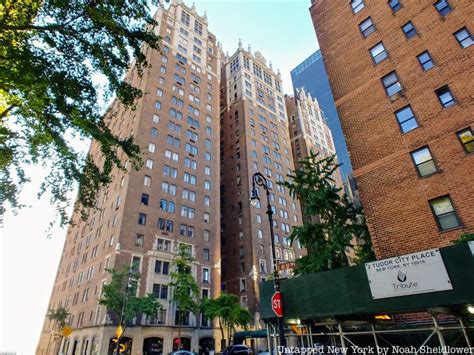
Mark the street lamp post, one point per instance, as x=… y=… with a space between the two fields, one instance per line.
x=259 y=180
x=122 y=313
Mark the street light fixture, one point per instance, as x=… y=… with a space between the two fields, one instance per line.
x=259 y=180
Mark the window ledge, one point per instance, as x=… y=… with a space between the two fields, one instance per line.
x=429 y=175
x=451 y=229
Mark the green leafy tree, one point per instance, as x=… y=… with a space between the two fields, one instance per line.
x=50 y=53
x=331 y=222
x=228 y=312
x=59 y=317
x=184 y=286
x=464 y=238
x=120 y=297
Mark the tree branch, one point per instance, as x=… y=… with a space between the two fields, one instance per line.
x=29 y=27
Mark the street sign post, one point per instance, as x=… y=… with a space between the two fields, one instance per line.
x=277 y=304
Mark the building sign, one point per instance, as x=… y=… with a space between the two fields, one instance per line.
x=410 y=274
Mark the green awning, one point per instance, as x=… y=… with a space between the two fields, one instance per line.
x=247 y=334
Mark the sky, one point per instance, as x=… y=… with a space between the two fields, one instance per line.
x=280 y=29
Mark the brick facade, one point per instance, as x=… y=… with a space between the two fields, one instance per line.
x=395 y=198
x=179 y=78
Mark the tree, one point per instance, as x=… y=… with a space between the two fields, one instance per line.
x=464 y=238
x=228 y=312
x=50 y=53
x=120 y=297
x=184 y=286
x=329 y=237
x=59 y=318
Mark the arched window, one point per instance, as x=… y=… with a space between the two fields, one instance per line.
x=153 y=346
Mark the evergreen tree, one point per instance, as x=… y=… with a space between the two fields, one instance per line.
x=332 y=225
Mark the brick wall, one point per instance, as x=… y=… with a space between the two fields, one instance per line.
x=395 y=198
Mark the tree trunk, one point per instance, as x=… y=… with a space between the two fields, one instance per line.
x=223 y=344
x=179 y=329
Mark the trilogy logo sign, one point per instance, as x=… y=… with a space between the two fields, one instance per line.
x=409 y=274
x=403 y=285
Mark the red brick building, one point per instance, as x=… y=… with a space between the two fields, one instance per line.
x=401 y=73
x=143 y=217
x=254 y=138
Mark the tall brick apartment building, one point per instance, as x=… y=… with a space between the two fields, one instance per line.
x=401 y=73
x=254 y=138
x=143 y=216
x=309 y=131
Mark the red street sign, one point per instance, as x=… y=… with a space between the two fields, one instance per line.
x=277 y=304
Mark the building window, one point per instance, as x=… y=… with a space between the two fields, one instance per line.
x=185 y=18
x=391 y=84
x=423 y=161
x=409 y=30
x=406 y=119
x=467 y=139
x=445 y=97
x=206 y=254
x=142 y=219
x=243 y=285
x=357 y=5
x=149 y=163
x=378 y=53
x=167 y=206
x=136 y=263
x=367 y=27
x=444 y=213
x=425 y=60
x=443 y=7
x=464 y=37
x=160 y=291
x=162 y=267
x=145 y=199
x=163 y=244
x=165 y=225
x=151 y=147
x=206 y=275
x=181 y=318
x=394 y=5
x=186 y=231
x=139 y=240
